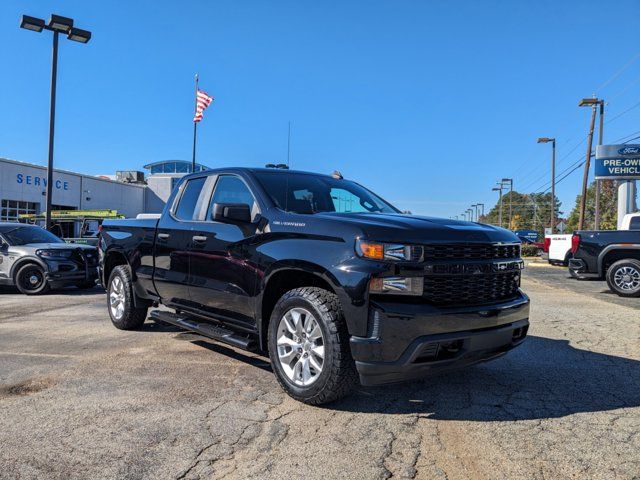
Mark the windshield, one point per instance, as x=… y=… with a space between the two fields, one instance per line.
x=306 y=193
x=26 y=235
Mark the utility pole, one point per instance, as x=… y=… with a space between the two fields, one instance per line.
x=553 y=179
x=598 y=184
x=593 y=103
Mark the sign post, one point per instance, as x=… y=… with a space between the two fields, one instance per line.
x=620 y=162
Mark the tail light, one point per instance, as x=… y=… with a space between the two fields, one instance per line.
x=547 y=244
x=575 y=243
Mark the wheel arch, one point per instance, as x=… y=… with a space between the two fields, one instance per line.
x=287 y=276
x=113 y=258
x=18 y=264
x=613 y=253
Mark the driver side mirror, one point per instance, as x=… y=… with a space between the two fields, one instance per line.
x=235 y=212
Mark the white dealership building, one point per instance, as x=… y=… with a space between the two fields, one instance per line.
x=23 y=188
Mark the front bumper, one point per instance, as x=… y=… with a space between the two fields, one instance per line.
x=409 y=341
x=64 y=273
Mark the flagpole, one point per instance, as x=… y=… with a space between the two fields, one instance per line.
x=195 y=128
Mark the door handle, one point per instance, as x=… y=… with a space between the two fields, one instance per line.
x=163 y=236
x=199 y=238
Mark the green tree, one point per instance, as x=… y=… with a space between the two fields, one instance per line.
x=608 y=208
x=529 y=211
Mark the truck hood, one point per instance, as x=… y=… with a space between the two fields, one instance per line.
x=417 y=229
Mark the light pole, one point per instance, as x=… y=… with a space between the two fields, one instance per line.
x=470 y=210
x=499 y=189
x=64 y=25
x=510 y=182
x=481 y=211
x=553 y=179
x=593 y=103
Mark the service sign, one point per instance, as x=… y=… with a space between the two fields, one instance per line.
x=621 y=162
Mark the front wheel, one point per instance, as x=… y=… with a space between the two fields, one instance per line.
x=31 y=280
x=623 y=278
x=309 y=346
x=124 y=314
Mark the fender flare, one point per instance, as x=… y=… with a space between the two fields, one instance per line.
x=613 y=247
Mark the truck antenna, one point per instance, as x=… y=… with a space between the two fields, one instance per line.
x=289 y=145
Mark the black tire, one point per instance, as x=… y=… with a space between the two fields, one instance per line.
x=30 y=279
x=623 y=278
x=567 y=257
x=338 y=375
x=120 y=286
x=86 y=285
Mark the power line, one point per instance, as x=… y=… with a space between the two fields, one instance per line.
x=633 y=60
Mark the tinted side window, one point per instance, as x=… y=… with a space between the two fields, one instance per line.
x=190 y=202
x=635 y=223
x=231 y=189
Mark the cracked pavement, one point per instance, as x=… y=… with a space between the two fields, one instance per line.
x=80 y=399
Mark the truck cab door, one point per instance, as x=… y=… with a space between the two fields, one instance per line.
x=223 y=273
x=173 y=241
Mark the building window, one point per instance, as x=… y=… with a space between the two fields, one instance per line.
x=11 y=209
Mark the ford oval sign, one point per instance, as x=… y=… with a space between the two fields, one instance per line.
x=629 y=151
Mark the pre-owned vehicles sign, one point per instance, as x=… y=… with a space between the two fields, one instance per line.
x=618 y=161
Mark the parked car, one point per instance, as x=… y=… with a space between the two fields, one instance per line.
x=538 y=245
x=613 y=255
x=559 y=249
x=335 y=283
x=35 y=260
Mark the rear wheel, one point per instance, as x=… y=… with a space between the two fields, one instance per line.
x=623 y=278
x=124 y=314
x=31 y=280
x=309 y=346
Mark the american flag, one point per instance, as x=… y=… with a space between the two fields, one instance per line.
x=202 y=101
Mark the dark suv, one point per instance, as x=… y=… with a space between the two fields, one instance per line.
x=335 y=283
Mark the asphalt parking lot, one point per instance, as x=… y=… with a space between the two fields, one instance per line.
x=80 y=399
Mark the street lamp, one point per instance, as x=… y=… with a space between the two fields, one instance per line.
x=510 y=182
x=57 y=24
x=481 y=211
x=474 y=211
x=593 y=103
x=499 y=189
x=470 y=210
x=553 y=178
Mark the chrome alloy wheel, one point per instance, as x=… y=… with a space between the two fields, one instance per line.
x=300 y=346
x=116 y=298
x=627 y=279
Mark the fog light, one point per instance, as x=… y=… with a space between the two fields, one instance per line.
x=397 y=285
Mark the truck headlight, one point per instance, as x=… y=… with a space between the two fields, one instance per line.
x=53 y=254
x=397 y=285
x=389 y=251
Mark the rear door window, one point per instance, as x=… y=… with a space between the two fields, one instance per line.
x=190 y=204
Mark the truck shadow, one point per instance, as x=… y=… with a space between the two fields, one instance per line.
x=544 y=378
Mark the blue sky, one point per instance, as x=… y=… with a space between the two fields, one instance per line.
x=427 y=103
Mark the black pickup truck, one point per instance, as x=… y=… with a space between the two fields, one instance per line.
x=336 y=284
x=610 y=254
